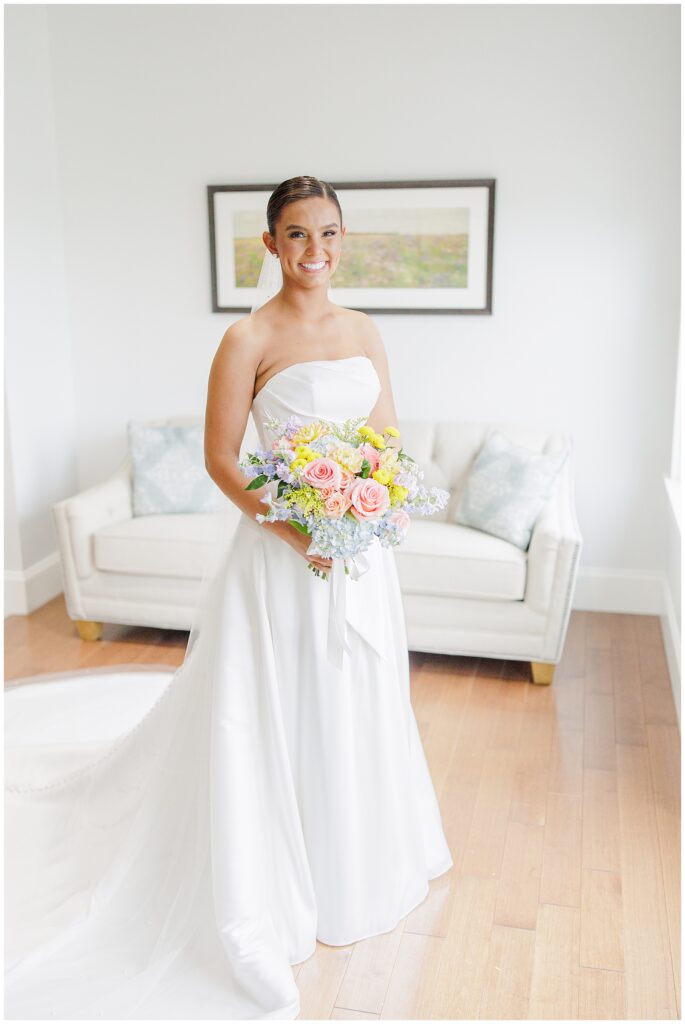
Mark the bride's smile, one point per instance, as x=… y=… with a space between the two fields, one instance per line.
x=308 y=245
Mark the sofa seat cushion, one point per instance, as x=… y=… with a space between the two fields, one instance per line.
x=451 y=560
x=156 y=545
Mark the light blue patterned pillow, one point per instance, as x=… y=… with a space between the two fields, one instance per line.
x=507 y=488
x=169 y=473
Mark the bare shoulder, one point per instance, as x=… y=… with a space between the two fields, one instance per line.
x=241 y=346
x=365 y=329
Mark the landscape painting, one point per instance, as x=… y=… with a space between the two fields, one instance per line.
x=407 y=248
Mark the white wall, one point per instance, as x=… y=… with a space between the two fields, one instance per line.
x=672 y=617
x=13 y=556
x=573 y=109
x=40 y=407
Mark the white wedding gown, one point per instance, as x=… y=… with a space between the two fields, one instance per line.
x=262 y=800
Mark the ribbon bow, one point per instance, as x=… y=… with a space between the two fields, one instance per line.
x=337 y=617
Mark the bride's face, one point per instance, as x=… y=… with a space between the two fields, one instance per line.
x=308 y=240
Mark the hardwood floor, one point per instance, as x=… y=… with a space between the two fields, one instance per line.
x=561 y=806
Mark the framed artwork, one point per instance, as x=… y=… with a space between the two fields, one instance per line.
x=409 y=247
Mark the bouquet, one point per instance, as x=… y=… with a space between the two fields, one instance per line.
x=340 y=483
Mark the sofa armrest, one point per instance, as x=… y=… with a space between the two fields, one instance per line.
x=77 y=518
x=555 y=542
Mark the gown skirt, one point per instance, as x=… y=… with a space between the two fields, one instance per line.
x=175 y=842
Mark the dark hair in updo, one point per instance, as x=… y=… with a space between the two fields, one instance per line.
x=302 y=187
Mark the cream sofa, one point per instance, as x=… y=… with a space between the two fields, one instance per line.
x=464 y=592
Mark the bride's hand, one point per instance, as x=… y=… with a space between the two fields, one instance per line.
x=300 y=542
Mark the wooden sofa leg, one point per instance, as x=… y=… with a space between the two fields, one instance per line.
x=542 y=672
x=89 y=630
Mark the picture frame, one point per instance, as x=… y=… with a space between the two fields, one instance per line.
x=432 y=245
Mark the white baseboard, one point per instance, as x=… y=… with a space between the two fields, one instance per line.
x=625 y=591
x=28 y=589
x=670 y=629
x=598 y=590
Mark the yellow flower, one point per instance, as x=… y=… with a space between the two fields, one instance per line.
x=397 y=493
x=307 y=433
x=381 y=476
x=393 y=431
x=304 y=452
x=298 y=464
x=366 y=431
x=378 y=441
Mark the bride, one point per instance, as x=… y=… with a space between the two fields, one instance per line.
x=276 y=793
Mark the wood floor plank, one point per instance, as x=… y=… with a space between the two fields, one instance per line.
x=518 y=894
x=508 y=711
x=653 y=666
x=569 y=698
x=664 y=757
x=629 y=710
x=368 y=973
x=651 y=651
x=529 y=797
x=508 y=974
x=338 y=1013
x=484 y=848
x=555 y=981
x=602 y=995
x=597 y=636
x=572 y=663
x=319 y=979
x=560 y=878
x=536 y=735
x=412 y=978
x=601 y=836
x=599 y=747
x=453 y=987
x=658 y=705
x=650 y=985
x=566 y=762
x=598 y=669
x=445 y=717
x=601 y=921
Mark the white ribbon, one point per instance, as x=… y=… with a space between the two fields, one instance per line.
x=337 y=640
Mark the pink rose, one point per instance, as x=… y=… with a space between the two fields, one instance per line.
x=322 y=473
x=347 y=478
x=369 y=499
x=371 y=454
x=400 y=517
x=336 y=505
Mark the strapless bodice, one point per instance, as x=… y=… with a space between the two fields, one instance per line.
x=329 y=389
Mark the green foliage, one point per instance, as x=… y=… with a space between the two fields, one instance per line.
x=347 y=431
x=298 y=526
x=257 y=482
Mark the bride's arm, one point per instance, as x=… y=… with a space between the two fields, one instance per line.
x=383 y=413
x=229 y=398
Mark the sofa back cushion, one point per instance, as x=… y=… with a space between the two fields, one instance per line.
x=168 y=469
x=507 y=487
x=447 y=449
